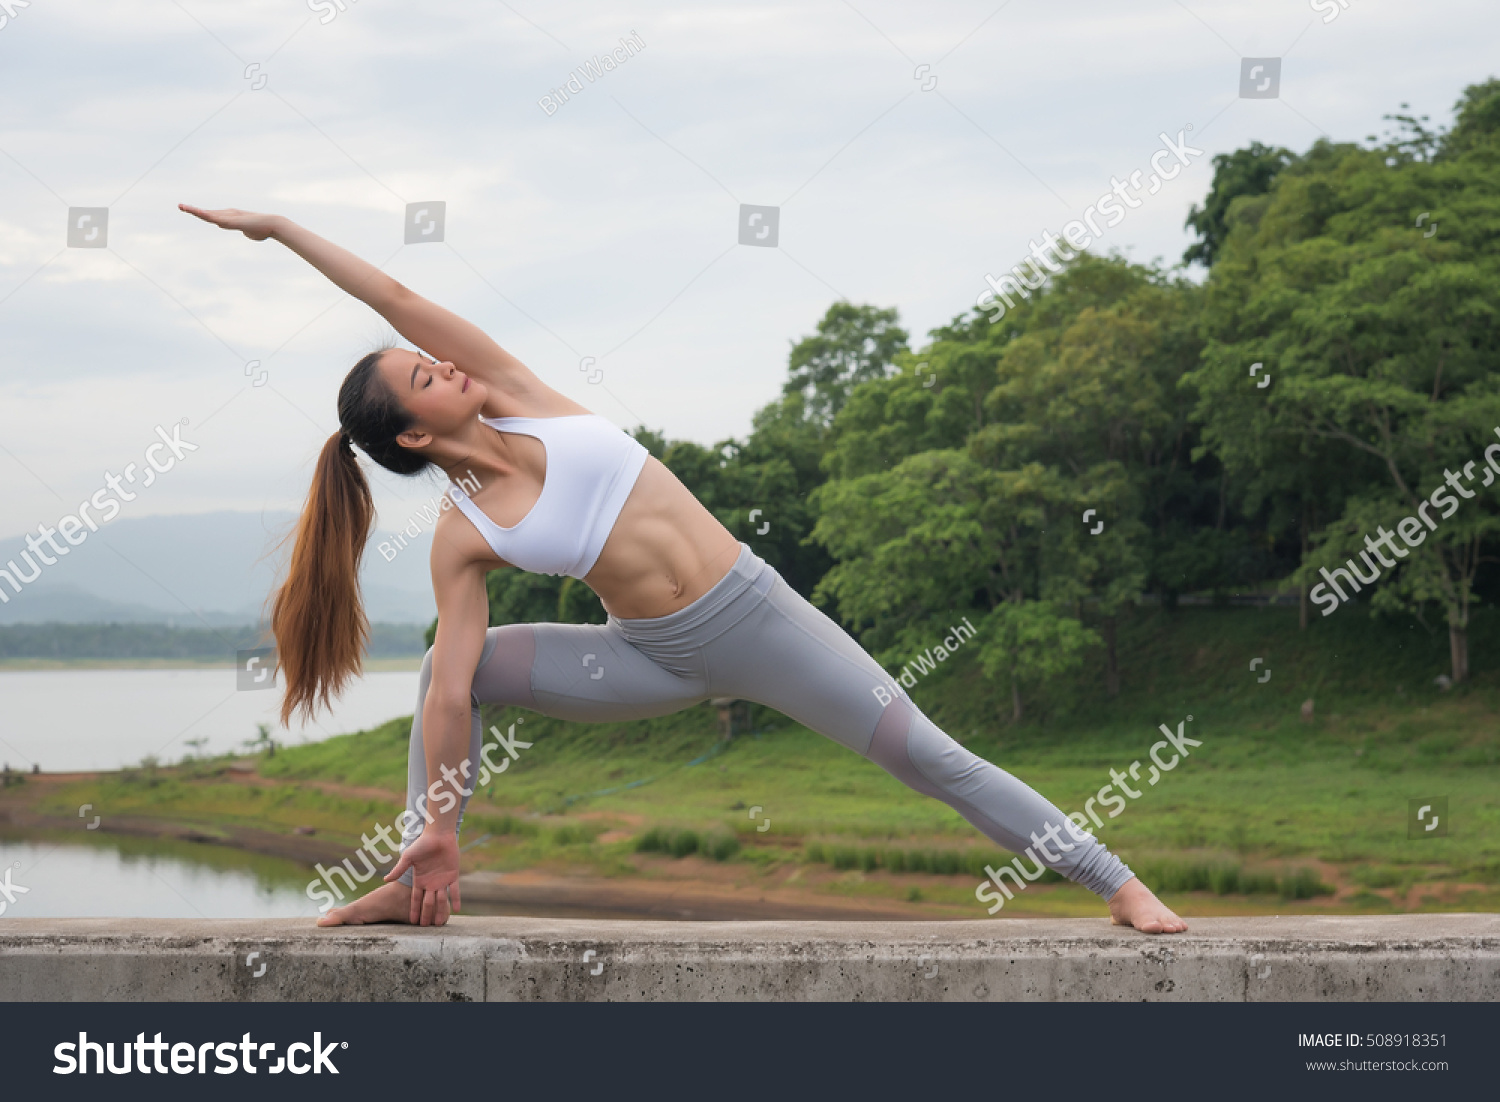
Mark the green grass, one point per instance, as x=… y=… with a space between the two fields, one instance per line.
x=1269 y=806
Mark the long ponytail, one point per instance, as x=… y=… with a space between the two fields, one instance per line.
x=318 y=617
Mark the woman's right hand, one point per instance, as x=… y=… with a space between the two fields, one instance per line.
x=257 y=227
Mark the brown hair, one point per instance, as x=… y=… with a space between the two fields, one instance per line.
x=318 y=617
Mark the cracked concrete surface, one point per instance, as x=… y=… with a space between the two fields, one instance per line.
x=1400 y=958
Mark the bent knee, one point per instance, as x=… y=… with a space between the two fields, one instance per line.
x=503 y=675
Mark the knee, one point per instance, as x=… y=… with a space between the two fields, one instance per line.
x=937 y=754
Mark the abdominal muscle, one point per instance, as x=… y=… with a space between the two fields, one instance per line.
x=664 y=552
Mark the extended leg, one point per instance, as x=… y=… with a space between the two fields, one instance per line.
x=790 y=656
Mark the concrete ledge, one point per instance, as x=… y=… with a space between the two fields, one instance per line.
x=1295 y=958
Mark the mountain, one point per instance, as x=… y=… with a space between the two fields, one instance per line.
x=204 y=569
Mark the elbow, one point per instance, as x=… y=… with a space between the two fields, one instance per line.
x=447 y=699
x=391 y=294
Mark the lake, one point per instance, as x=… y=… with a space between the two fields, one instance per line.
x=84 y=719
x=149 y=878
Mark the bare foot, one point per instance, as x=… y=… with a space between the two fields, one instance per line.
x=387 y=903
x=1134 y=905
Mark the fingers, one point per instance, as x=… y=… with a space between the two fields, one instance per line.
x=219 y=218
x=453 y=894
x=401 y=865
x=443 y=908
x=429 y=907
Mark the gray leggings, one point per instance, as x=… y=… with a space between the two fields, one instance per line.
x=755 y=638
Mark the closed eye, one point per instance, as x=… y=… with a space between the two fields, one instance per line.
x=417 y=367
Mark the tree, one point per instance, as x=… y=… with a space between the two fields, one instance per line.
x=262 y=740
x=1243 y=173
x=852 y=344
x=1087 y=384
x=938 y=536
x=1367 y=284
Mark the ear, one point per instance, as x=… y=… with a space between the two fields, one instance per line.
x=414 y=438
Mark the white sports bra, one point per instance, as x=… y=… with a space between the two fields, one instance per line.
x=592 y=465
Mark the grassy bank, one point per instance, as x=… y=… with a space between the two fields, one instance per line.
x=1272 y=813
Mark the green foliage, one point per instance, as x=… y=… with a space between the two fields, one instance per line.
x=1189 y=874
x=898 y=859
x=1245 y=173
x=853 y=344
x=1380 y=337
x=720 y=845
x=569 y=834
x=1302 y=883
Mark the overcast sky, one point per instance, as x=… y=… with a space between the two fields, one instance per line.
x=607 y=228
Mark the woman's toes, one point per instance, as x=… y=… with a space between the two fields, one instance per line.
x=387 y=903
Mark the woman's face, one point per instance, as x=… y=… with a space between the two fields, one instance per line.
x=441 y=397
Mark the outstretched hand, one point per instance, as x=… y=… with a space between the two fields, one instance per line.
x=257 y=227
x=433 y=859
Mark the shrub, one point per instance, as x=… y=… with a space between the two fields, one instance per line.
x=721 y=846
x=1378 y=876
x=1224 y=879
x=684 y=842
x=1302 y=883
x=653 y=841
x=1257 y=883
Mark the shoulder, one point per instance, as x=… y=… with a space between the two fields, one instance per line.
x=457 y=544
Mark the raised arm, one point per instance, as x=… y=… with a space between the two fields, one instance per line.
x=425 y=324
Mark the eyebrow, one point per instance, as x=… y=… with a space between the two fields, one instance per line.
x=414 y=369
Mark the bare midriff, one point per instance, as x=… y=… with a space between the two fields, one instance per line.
x=664 y=552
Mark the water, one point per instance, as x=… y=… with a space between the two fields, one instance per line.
x=148 y=878
x=76 y=720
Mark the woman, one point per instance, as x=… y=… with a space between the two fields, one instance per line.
x=693 y=612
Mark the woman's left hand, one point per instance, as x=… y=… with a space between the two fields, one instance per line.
x=433 y=859
x=257 y=227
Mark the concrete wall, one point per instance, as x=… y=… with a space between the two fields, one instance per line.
x=1399 y=958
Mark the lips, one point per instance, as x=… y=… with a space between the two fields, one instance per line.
x=465 y=386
